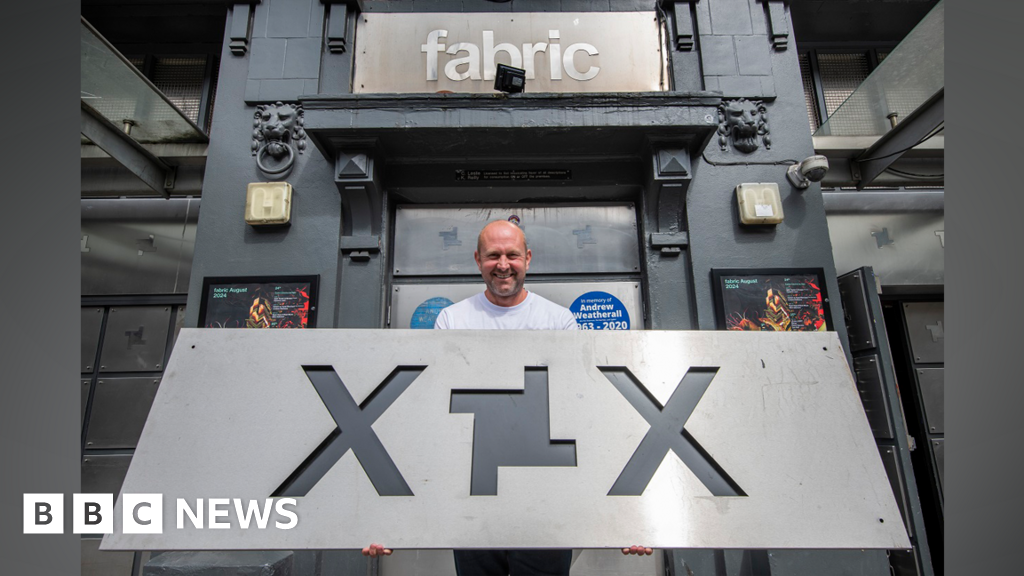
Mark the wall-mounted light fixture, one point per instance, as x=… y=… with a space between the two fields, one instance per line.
x=268 y=204
x=759 y=203
x=509 y=80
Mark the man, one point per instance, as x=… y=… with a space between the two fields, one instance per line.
x=503 y=259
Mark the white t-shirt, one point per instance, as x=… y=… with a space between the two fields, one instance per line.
x=478 y=313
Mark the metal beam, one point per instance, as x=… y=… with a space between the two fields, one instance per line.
x=895 y=201
x=907 y=134
x=121 y=147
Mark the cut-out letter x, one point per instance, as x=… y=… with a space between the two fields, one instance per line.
x=667 y=432
x=353 y=432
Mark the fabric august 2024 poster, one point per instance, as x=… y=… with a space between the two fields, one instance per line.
x=774 y=302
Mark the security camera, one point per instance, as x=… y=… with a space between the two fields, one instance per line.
x=812 y=169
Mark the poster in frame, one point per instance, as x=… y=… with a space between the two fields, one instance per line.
x=259 y=302
x=771 y=299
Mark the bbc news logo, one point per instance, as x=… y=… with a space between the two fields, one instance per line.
x=144 y=513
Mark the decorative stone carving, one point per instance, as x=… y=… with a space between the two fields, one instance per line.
x=276 y=127
x=742 y=121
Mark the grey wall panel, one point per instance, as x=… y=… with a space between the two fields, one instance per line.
x=931 y=382
x=417 y=305
x=892 y=469
x=86 y=384
x=939 y=451
x=96 y=562
x=872 y=395
x=859 y=323
x=137 y=246
x=104 y=473
x=925 y=329
x=904 y=249
x=119 y=410
x=135 y=339
x=814 y=563
x=565 y=239
x=92 y=321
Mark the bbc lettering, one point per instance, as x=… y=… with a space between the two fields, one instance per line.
x=143 y=513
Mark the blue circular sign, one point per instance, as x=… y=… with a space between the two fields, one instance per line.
x=425 y=314
x=600 y=311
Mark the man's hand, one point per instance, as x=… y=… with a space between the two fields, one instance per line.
x=374 y=550
x=638 y=550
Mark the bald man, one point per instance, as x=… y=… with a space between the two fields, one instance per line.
x=503 y=259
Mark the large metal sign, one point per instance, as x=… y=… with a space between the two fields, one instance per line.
x=459 y=52
x=506 y=439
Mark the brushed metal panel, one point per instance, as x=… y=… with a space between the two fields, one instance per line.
x=872 y=395
x=417 y=305
x=931 y=381
x=781 y=416
x=135 y=338
x=859 y=324
x=96 y=562
x=939 y=451
x=92 y=321
x=563 y=239
x=904 y=249
x=624 y=51
x=119 y=410
x=104 y=473
x=136 y=246
x=926 y=330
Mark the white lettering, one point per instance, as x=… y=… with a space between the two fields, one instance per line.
x=279 y=506
x=431 y=48
x=253 y=511
x=570 y=64
x=529 y=53
x=472 y=59
x=217 y=513
x=183 y=509
x=555 y=56
x=490 y=51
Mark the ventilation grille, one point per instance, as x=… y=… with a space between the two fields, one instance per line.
x=809 y=100
x=181 y=80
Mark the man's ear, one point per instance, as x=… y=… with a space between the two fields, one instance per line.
x=528 y=256
x=476 y=257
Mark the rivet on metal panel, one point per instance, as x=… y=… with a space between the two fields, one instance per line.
x=88 y=367
x=157 y=365
x=88 y=443
x=98 y=310
x=933 y=428
x=85 y=460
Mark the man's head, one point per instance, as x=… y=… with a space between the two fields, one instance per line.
x=503 y=259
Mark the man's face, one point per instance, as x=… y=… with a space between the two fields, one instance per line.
x=503 y=260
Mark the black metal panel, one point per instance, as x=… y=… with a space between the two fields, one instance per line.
x=104 y=473
x=931 y=383
x=892 y=470
x=834 y=562
x=872 y=395
x=939 y=451
x=96 y=562
x=859 y=324
x=135 y=339
x=904 y=563
x=925 y=329
x=119 y=410
x=92 y=321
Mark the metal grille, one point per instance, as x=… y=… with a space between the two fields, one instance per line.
x=181 y=80
x=808 y=78
x=841 y=74
x=881 y=55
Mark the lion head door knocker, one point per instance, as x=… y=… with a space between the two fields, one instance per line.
x=275 y=127
x=743 y=120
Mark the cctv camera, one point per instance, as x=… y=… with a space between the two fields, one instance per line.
x=812 y=169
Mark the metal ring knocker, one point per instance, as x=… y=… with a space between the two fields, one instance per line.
x=287 y=163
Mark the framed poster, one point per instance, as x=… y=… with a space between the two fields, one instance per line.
x=771 y=299
x=259 y=302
